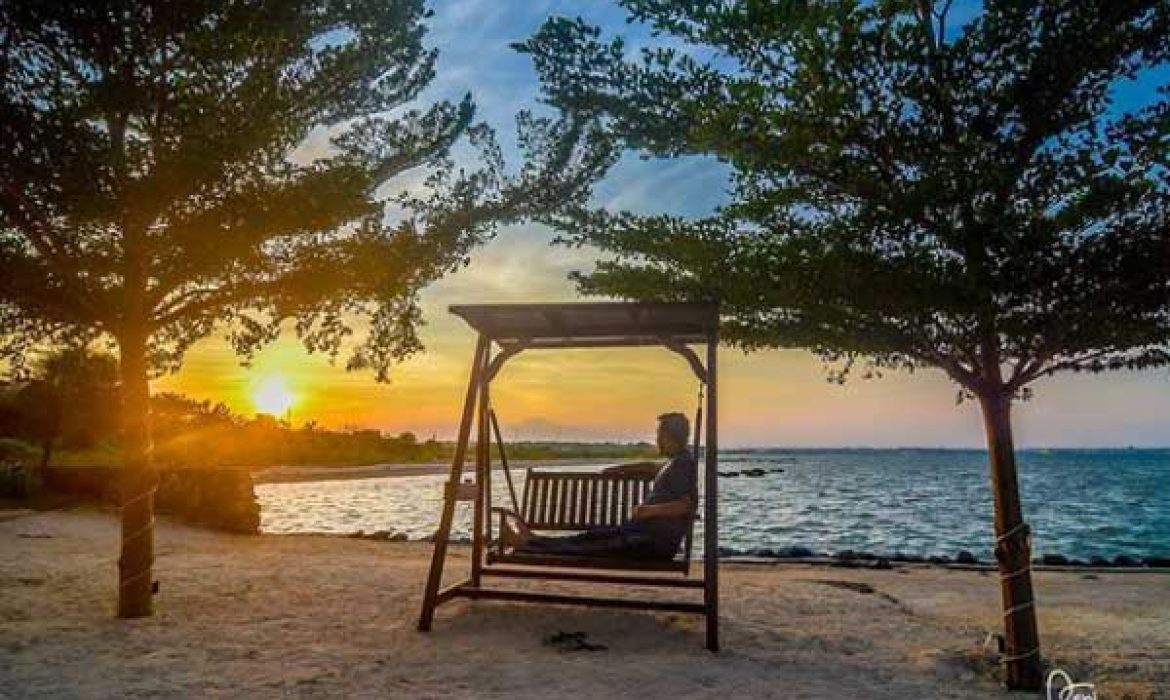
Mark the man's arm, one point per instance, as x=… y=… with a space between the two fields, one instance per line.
x=634 y=469
x=680 y=508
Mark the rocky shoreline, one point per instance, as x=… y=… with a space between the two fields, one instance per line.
x=842 y=559
x=962 y=557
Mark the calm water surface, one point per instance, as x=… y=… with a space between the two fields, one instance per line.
x=1080 y=503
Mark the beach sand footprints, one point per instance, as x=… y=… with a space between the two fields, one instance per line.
x=859 y=587
x=566 y=642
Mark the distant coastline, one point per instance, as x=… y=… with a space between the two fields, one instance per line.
x=299 y=473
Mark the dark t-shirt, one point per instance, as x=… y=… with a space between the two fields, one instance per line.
x=676 y=480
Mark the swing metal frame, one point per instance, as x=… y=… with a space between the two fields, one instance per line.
x=516 y=328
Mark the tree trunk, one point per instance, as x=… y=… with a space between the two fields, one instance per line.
x=1012 y=550
x=46 y=453
x=135 y=583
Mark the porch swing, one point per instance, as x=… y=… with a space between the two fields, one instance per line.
x=558 y=500
x=572 y=500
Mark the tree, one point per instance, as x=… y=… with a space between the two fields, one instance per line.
x=70 y=394
x=907 y=189
x=152 y=189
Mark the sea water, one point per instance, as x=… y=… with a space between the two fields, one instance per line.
x=1080 y=503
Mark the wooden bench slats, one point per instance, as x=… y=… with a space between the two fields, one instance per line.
x=577 y=501
x=582 y=501
x=603 y=509
x=541 y=513
x=566 y=502
x=622 y=497
x=615 y=511
x=552 y=501
x=574 y=506
x=593 y=496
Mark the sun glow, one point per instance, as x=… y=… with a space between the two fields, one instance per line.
x=272 y=395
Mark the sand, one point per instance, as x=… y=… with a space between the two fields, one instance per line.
x=328 y=617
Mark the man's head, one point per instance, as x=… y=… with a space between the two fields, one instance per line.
x=673 y=432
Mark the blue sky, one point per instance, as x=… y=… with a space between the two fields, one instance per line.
x=770 y=398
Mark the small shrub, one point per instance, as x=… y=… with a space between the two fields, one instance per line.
x=18 y=452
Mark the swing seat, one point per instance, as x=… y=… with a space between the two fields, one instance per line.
x=574 y=501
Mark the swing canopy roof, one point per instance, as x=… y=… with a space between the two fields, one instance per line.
x=592 y=324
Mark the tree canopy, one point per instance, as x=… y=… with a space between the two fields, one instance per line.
x=158 y=147
x=908 y=188
x=69 y=398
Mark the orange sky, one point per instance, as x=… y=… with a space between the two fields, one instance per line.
x=768 y=398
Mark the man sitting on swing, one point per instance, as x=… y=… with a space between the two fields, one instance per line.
x=658 y=525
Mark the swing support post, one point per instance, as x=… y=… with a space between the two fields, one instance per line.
x=711 y=504
x=454 y=480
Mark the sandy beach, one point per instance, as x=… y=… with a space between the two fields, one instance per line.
x=330 y=617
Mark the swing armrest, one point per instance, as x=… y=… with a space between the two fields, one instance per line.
x=505 y=513
x=632 y=469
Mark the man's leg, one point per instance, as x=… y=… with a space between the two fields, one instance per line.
x=601 y=537
x=517 y=533
x=599 y=532
x=619 y=541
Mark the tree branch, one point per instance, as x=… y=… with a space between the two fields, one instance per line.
x=49 y=247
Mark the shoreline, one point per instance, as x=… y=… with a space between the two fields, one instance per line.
x=878 y=563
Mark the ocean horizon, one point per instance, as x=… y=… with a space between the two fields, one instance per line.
x=943 y=448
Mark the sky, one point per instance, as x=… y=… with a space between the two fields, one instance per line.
x=774 y=398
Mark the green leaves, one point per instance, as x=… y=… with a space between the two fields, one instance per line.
x=157 y=178
x=908 y=188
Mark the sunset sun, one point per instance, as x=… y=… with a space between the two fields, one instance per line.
x=271 y=395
